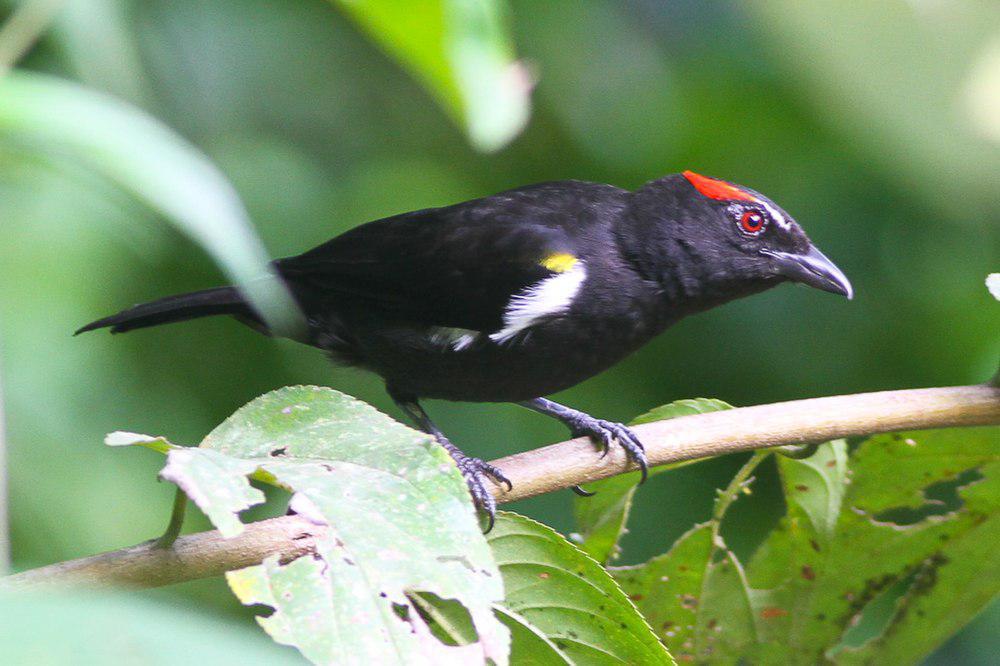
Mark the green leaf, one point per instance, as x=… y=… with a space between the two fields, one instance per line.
x=87 y=627
x=601 y=520
x=447 y=618
x=696 y=596
x=528 y=645
x=563 y=604
x=882 y=555
x=146 y=158
x=667 y=589
x=122 y=438
x=918 y=521
x=818 y=484
x=677 y=408
x=399 y=521
x=215 y=482
x=461 y=51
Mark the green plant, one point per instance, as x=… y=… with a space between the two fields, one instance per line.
x=882 y=551
x=392 y=567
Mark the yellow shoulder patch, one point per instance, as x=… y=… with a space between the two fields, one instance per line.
x=559 y=262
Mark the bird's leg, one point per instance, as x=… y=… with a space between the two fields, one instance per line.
x=599 y=430
x=474 y=470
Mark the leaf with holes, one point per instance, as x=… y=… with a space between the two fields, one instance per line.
x=601 y=519
x=909 y=559
x=398 y=521
x=562 y=606
x=882 y=555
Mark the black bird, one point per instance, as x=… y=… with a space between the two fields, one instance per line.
x=525 y=293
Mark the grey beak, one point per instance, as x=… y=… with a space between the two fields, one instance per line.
x=812 y=268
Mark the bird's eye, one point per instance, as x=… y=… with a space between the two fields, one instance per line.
x=752 y=222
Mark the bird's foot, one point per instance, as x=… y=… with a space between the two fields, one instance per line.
x=605 y=432
x=477 y=473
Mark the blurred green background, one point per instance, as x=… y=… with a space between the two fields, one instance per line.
x=877 y=125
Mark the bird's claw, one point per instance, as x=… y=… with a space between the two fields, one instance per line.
x=476 y=472
x=604 y=433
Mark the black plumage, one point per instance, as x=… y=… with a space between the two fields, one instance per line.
x=527 y=292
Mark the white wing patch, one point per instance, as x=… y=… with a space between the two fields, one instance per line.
x=456 y=339
x=551 y=296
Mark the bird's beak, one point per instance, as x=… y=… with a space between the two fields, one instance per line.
x=812 y=268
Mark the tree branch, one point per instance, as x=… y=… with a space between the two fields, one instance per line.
x=555 y=467
x=736 y=430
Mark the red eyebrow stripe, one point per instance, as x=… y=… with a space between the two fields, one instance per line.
x=717 y=189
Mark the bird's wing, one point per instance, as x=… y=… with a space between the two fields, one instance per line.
x=464 y=266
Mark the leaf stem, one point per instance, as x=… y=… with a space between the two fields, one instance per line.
x=736 y=486
x=173 y=530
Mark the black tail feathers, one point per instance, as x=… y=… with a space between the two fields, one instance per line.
x=218 y=301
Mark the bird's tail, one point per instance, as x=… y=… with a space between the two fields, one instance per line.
x=206 y=303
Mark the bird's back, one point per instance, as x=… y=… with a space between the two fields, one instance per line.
x=502 y=298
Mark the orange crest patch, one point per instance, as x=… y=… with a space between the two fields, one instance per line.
x=717 y=189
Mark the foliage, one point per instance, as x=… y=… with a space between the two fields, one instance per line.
x=572 y=609
x=318 y=133
x=864 y=567
x=601 y=519
x=150 y=160
x=462 y=53
x=882 y=555
x=855 y=94
x=398 y=515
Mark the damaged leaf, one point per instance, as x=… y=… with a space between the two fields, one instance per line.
x=398 y=521
x=561 y=605
x=883 y=554
x=937 y=572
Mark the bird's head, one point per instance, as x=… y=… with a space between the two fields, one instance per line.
x=732 y=240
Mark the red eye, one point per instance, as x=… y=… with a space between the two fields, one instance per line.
x=752 y=222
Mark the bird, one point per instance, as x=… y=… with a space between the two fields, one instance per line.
x=512 y=297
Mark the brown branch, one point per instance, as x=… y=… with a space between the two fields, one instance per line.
x=191 y=557
x=815 y=420
x=555 y=467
